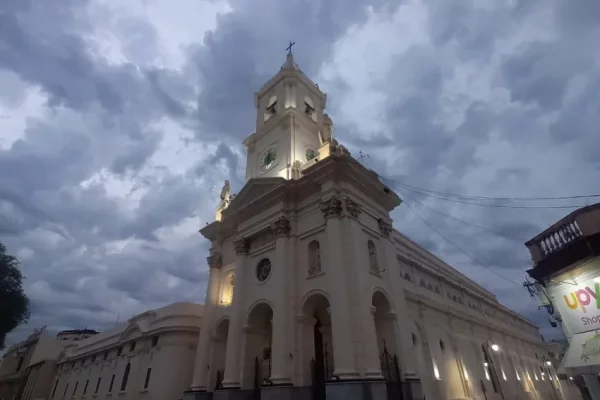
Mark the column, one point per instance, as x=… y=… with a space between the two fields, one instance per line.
x=233 y=357
x=360 y=293
x=403 y=339
x=201 y=367
x=280 y=372
x=341 y=326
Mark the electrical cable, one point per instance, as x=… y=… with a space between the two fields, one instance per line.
x=471 y=197
x=519 y=240
x=459 y=248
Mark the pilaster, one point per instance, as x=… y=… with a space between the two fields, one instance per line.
x=360 y=293
x=233 y=358
x=280 y=373
x=201 y=368
x=343 y=349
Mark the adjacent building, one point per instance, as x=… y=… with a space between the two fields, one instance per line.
x=27 y=368
x=313 y=294
x=151 y=356
x=566 y=271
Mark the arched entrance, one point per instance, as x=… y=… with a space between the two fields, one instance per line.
x=384 y=324
x=258 y=337
x=317 y=352
x=219 y=350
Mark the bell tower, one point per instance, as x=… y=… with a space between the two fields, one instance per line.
x=292 y=130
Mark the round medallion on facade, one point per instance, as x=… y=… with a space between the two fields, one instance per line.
x=310 y=154
x=263 y=269
x=269 y=159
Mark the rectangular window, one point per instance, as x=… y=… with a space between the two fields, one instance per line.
x=75 y=388
x=20 y=364
x=93 y=359
x=106 y=355
x=112 y=381
x=66 y=388
x=85 y=387
x=147 y=381
x=55 y=386
x=119 y=351
x=125 y=377
x=132 y=346
x=155 y=341
x=97 y=385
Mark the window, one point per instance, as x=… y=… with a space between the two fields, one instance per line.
x=227 y=291
x=308 y=109
x=55 y=386
x=87 y=382
x=422 y=283
x=314 y=258
x=154 y=341
x=442 y=347
x=125 y=377
x=373 y=256
x=271 y=108
x=106 y=355
x=119 y=351
x=132 y=346
x=75 y=389
x=97 y=385
x=414 y=339
x=147 y=381
x=93 y=359
x=66 y=388
x=20 y=364
x=407 y=277
x=437 y=289
x=112 y=381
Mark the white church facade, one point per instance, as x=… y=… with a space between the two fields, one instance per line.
x=314 y=295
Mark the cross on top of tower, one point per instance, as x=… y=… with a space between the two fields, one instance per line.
x=289 y=48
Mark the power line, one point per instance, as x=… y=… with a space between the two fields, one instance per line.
x=520 y=240
x=475 y=204
x=460 y=249
x=471 y=197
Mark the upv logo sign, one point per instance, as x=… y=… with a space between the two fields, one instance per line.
x=582 y=298
x=580 y=308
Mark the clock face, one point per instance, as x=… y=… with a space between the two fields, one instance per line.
x=263 y=270
x=310 y=154
x=269 y=159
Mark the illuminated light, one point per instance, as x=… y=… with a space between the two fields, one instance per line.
x=495 y=347
x=466 y=374
x=548 y=363
x=485 y=364
x=518 y=377
x=597 y=279
x=571 y=378
x=504 y=375
x=550 y=376
x=436 y=372
x=536 y=378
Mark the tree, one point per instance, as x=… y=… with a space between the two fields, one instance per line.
x=14 y=304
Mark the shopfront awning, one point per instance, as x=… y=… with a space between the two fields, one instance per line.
x=583 y=355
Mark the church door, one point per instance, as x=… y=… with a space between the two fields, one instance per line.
x=318 y=364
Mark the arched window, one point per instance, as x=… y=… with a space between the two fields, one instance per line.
x=414 y=339
x=125 y=377
x=373 y=256
x=442 y=347
x=227 y=291
x=309 y=108
x=271 y=108
x=314 y=258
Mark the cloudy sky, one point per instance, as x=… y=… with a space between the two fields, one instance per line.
x=121 y=119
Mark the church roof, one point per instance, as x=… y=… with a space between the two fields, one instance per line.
x=290 y=63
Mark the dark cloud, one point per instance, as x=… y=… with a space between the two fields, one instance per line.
x=126 y=154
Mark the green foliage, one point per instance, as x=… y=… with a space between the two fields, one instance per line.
x=14 y=304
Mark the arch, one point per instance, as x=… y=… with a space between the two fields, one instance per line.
x=314 y=258
x=317 y=339
x=220 y=334
x=384 y=323
x=258 y=341
x=373 y=263
x=257 y=303
x=313 y=292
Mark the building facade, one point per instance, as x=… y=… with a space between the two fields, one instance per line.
x=149 y=357
x=28 y=367
x=313 y=294
x=566 y=271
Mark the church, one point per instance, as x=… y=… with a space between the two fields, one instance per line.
x=314 y=295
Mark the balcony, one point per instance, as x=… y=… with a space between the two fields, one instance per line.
x=574 y=238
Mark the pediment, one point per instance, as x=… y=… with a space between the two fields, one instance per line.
x=253 y=190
